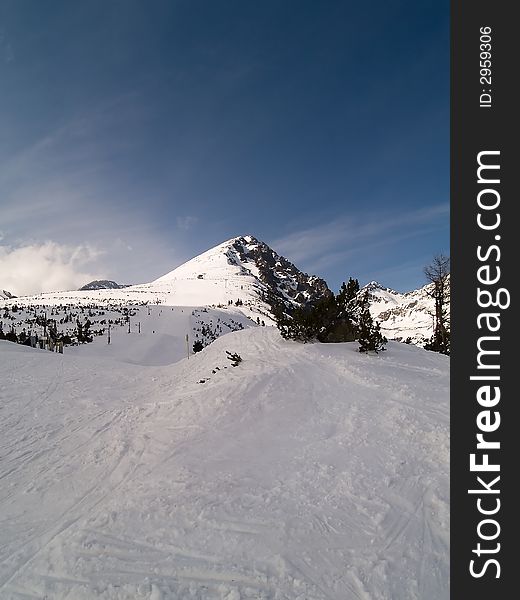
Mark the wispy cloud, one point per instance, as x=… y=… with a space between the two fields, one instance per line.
x=186 y=222
x=69 y=187
x=328 y=244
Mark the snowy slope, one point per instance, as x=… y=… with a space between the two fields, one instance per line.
x=212 y=278
x=158 y=334
x=403 y=316
x=154 y=335
x=307 y=472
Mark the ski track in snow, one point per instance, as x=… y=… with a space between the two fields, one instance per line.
x=308 y=472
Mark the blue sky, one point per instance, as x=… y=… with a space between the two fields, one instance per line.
x=135 y=135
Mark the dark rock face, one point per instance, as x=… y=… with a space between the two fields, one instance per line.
x=102 y=284
x=285 y=282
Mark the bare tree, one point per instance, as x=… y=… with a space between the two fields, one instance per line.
x=438 y=273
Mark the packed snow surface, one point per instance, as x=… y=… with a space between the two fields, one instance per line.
x=306 y=472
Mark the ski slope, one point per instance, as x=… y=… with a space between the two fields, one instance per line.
x=307 y=472
x=158 y=334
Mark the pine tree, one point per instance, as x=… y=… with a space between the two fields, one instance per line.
x=79 y=334
x=438 y=273
x=342 y=318
x=301 y=325
x=11 y=336
x=334 y=325
x=324 y=321
x=369 y=333
x=347 y=296
x=235 y=358
x=439 y=343
x=87 y=337
x=197 y=346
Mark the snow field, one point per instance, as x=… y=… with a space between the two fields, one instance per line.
x=307 y=472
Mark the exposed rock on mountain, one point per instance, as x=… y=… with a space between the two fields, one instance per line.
x=102 y=284
x=280 y=276
x=5 y=295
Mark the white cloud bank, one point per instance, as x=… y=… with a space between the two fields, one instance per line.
x=45 y=267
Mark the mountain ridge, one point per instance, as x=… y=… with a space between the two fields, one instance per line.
x=246 y=273
x=405 y=316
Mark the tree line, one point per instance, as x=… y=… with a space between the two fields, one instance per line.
x=342 y=317
x=345 y=317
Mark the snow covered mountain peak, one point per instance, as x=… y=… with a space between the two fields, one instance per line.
x=403 y=317
x=375 y=287
x=246 y=269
